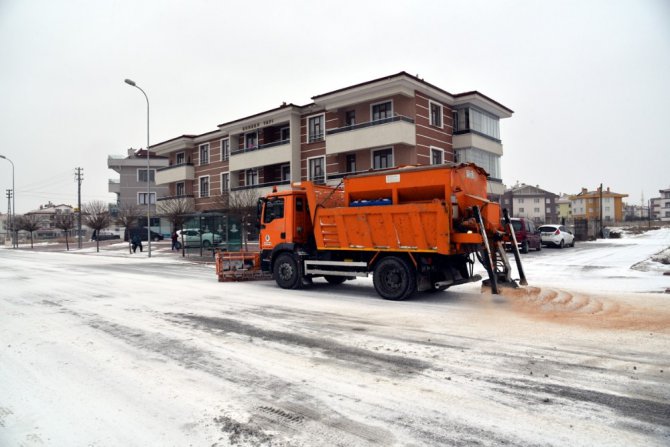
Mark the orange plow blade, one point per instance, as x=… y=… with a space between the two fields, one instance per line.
x=239 y=266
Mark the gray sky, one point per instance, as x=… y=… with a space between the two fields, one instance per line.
x=589 y=80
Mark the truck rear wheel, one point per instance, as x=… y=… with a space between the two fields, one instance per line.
x=287 y=271
x=394 y=279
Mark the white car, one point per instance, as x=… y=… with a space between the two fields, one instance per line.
x=556 y=235
x=193 y=237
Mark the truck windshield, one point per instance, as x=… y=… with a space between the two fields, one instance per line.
x=274 y=209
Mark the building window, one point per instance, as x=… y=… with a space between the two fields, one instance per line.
x=142 y=198
x=454 y=117
x=225 y=182
x=285 y=173
x=382 y=158
x=536 y=200
x=537 y=210
x=204 y=153
x=351 y=163
x=285 y=134
x=436 y=156
x=225 y=149
x=204 y=186
x=435 y=114
x=142 y=175
x=315 y=128
x=251 y=140
x=382 y=111
x=350 y=118
x=521 y=210
x=180 y=189
x=251 y=177
x=488 y=161
x=520 y=200
x=180 y=158
x=316 y=169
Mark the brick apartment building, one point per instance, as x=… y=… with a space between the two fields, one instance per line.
x=391 y=121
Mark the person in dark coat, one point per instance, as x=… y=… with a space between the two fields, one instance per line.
x=136 y=241
x=175 y=239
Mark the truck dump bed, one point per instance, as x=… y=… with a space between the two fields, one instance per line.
x=406 y=209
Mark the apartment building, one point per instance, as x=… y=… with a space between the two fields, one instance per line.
x=387 y=122
x=661 y=206
x=131 y=186
x=531 y=202
x=588 y=205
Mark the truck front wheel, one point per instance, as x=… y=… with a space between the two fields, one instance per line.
x=394 y=279
x=287 y=271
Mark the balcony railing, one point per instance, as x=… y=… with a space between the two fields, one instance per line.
x=183 y=196
x=174 y=166
x=259 y=147
x=370 y=124
x=260 y=185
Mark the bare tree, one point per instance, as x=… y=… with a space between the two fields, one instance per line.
x=127 y=218
x=96 y=216
x=65 y=222
x=175 y=210
x=29 y=223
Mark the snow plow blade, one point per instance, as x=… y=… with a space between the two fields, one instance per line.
x=239 y=266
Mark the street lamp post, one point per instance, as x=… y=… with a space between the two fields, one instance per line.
x=13 y=216
x=133 y=84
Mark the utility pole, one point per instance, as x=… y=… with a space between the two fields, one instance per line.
x=601 y=210
x=79 y=177
x=9 y=224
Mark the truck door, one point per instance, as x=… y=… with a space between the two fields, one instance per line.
x=273 y=223
x=301 y=222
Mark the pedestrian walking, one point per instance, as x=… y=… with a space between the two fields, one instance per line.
x=136 y=240
x=175 y=241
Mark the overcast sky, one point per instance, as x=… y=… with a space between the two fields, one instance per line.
x=588 y=80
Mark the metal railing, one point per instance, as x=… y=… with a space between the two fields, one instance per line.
x=370 y=124
x=259 y=147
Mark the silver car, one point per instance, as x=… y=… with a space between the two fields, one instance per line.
x=556 y=235
x=193 y=237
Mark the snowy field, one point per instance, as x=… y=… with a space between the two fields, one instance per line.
x=110 y=349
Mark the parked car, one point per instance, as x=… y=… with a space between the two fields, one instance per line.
x=143 y=234
x=104 y=236
x=192 y=237
x=556 y=235
x=527 y=236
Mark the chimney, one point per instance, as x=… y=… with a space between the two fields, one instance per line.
x=131 y=152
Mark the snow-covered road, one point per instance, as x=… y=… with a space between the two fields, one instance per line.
x=111 y=349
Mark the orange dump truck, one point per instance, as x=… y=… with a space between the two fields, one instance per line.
x=413 y=229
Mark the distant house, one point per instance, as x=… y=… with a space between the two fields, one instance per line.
x=531 y=202
x=661 y=206
x=46 y=218
x=591 y=204
x=564 y=206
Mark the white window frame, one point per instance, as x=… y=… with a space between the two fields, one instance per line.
x=226 y=156
x=209 y=186
x=246 y=177
x=372 y=157
x=246 y=145
x=151 y=194
x=144 y=169
x=372 y=106
x=430 y=114
x=225 y=181
x=176 y=158
x=200 y=148
x=323 y=130
x=176 y=189
x=281 y=133
x=433 y=148
x=281 y=172
x=309 y=171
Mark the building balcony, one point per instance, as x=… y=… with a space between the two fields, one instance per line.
x=477 y=140
x=266 y=154
x=263 y=188
x=185 y=196
x=386 y=132
x=114 y=186
x=175 y=173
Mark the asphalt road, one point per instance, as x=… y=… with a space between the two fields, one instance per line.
x=179 y=359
